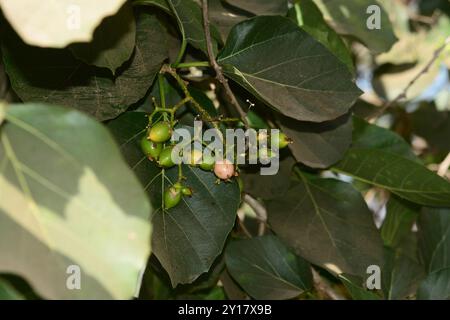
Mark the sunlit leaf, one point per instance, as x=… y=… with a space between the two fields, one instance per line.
x=69 y=201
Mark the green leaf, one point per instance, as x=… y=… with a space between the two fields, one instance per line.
x=56 y=77
x=190 y=21
x=351 y=18
x=266 y=269
x=328 y=223
x=162 y=4
x=188 y=237
x=432 y=125
x=286 y=68
x=434 y=238
x=270 y=186
x=400 y=217
x=318 y=145
x=69 y=200
x=56 y=24
x=434 y=244
x=113 y=41
x=261 y=7
x=436 y=286
x=400 y=275
x=356 y=288
x=224 y=17
x=308 y=16
x=401 y=176
x=382 y=158
x=370 y=136
x=256 y=121
x=8 y=292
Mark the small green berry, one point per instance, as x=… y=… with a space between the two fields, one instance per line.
x=165 y=158
x=151 y=149
x=160 y=132
x=186 y=191
x=282 y=142
x=208 y=163
x=172 y=197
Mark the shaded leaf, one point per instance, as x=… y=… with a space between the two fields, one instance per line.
x=401 y=176
x=436 y=286
x=112 y=43
x=56 y=24
x=351 y=18
x=370 y=136
x=8 y=292
x=356 y=288
x=434 y=244
x=187 y=238
x=308 y=16
x=270 y=186
x=256 y=121
x=69 y=200
x=285 y=67
x=382 y=158
x=434 y=239
x=231 y=288
x=266 y=269
x=433 y=126
x=224 y=16
x=261 y=7
x=318 y=145
x=328 y=223
x=400 y=275
x=400 y=217
x=55 y=76
x=190 y=21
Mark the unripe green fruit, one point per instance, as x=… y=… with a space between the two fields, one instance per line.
x=178 y=186
x=172 y=197
x=208 y=163
x=151 y=149
x=283 y=141
x=186 y=191
x=160 y=132
x=165 y=158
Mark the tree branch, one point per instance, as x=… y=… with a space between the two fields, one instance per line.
x=260 y=211
x=323 y=288
x=404 y=93
x=443 y=167
x=219 y=75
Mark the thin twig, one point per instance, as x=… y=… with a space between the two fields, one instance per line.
x=425 y=69
x=443 y=167
x=260 y=211
x=425 y=19
x=183 y=85
x=244 y=228
x=219 y=75
x=323 y=287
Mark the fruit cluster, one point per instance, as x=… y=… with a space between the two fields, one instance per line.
x=156 y=146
